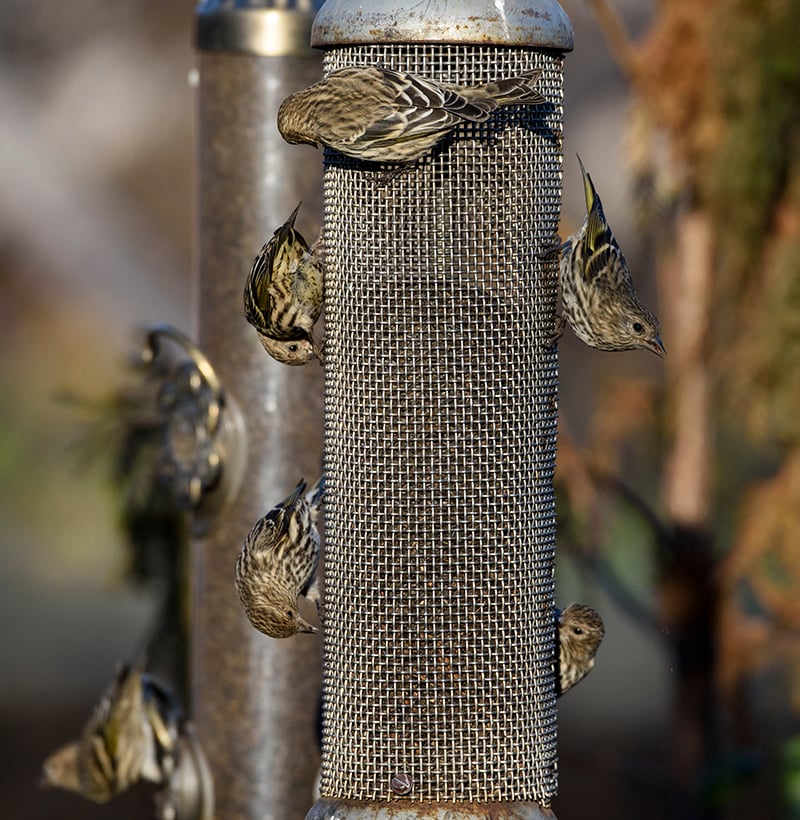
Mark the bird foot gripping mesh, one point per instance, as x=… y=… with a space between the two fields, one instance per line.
x=440 y=434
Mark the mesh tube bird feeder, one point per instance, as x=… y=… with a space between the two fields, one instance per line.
x=440 y=432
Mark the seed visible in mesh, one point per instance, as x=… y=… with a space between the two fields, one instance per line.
x=401 y=783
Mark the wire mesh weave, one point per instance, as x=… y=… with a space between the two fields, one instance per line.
x=441 y=411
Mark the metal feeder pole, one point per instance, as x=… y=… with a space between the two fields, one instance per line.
x=440 y=431
x=254 y=698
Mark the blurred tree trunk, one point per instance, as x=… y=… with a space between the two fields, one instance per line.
x=686 y=587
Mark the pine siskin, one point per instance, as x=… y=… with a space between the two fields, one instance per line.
x=381 y=115
x=283 y=295
x=580 y=632
x=132 y=735
x=597 y=291
x=278 y=562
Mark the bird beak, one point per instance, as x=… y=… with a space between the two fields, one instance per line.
x=658 y=348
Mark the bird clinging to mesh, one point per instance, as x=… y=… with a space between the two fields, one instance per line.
x=278 y=563
x=597 y=293
x=381 y=115
x=133 y=734
x=580 y=632
x=283 y=295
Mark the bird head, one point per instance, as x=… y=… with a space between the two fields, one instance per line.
x=292 y=352
x=632 y=325
x=293 y=121
x=581 y=628
x=282 y=622
x=61 y=768
x=625 y=323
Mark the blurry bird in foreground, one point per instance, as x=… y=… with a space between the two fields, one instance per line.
x=580 y=632
x=390 y=116
x=283 y=295
x=278 y=562
x=133 y=734
x=597 y=292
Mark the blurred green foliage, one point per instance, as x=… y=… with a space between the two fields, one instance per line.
x=790 y=777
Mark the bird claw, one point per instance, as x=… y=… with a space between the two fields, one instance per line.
x=313 y=593
x=318 y=248
x=388 y=176
x=557 y=247
x=319 y=352
x=558 y=330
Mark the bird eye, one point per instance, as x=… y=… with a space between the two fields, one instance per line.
x=289 y=613
x=577 y=630
x=638 y=327
x=293 y=348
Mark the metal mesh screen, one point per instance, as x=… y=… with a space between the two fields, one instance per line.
x=440 y=432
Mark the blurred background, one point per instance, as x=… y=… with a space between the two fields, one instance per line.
x=678 y=481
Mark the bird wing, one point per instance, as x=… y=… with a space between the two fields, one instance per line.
x=411 y=91
x=598 y=233
x=257 y=286
x=605 y=264
x=286 y=248
x=259 y=292
x=403 y=107
x=517 y=90
x=285 y=510
x=422 y=108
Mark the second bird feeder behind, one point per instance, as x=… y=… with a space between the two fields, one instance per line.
x=441 y=412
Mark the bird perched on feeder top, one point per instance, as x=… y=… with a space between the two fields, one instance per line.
x=278 y=563
x=580 y=632
x=597 y=293
x=283 y=295
x=132 y=735
x=381 y=115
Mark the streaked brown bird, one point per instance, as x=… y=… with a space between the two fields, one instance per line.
x=580 y=632
x=132 y=735
x=391 y=116
x=278 y=563
x=283 y=295
x=597 y=293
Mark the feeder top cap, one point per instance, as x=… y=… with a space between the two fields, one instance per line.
x=521 y=23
